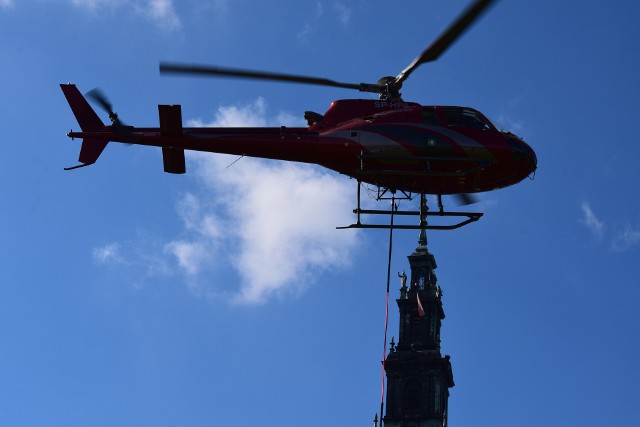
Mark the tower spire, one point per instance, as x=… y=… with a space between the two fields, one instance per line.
x=418 y=376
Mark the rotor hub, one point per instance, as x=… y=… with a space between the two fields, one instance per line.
x=389 y=90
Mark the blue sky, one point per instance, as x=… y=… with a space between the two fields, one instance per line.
x=225 y=296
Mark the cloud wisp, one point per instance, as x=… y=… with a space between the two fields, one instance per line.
x=342 y=12
x=108 y=254
x=590 y=220
x=338 y=12
x=622 y=239
x=140 y=259
x=202 y=233
x=625 y=239
x=6 y=3
x=161 y=12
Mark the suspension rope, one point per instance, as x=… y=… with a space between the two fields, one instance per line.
x=386 y=309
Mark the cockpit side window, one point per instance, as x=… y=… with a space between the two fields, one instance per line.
x=465 y=118
x=429 y=116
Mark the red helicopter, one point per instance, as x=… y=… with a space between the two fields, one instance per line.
x=389 y=143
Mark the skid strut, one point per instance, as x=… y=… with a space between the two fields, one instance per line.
x=464 y=218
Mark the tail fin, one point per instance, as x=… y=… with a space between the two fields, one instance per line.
x=88 y=121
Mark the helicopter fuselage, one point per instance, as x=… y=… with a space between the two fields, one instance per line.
x=391 y=144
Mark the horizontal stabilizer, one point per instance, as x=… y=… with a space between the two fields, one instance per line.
x=173 y=159
x=91 y=150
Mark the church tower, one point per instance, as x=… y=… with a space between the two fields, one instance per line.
x=418 y=376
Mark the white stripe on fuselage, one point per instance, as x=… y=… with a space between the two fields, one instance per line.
x=374 y=141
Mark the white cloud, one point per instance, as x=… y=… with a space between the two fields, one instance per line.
x=252 y=115
x=108 y=254
x=161 y=12
x=277 y=219
x=590 y=220
x=191 y=212
x=271 y=223
x=626 y=239
x=310 y=27
x=343 y=13
x=190 y=255
x=95 y=4
x=283 y=218
x=6 y=3
x=141 y=258
x=197 y=249
x=621 y=240
x=220 y=6
x=307 y=30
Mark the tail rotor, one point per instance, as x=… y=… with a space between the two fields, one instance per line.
x=101 y=99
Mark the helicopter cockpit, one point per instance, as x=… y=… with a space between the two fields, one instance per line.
x=457 y=117
x=465 y=118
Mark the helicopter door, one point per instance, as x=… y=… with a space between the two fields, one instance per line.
x=475 y=128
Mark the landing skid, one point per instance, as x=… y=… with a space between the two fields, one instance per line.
x=422 y=214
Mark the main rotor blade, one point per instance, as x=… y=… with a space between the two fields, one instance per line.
x=208 y=70
x=447 y=38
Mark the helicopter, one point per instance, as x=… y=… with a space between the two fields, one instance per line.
x=392 y=144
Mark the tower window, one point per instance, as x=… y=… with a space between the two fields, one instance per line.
x=437 y=395
x=432 y=325
x=412 y=398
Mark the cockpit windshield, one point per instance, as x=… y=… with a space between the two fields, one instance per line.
x=465 y=118
x=429 y=116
